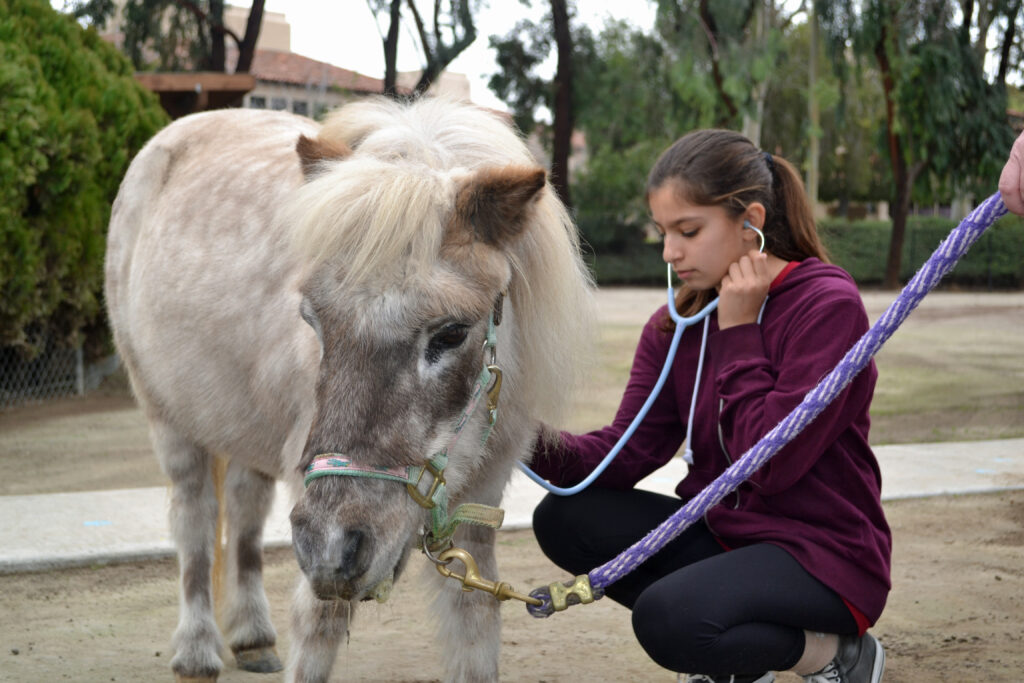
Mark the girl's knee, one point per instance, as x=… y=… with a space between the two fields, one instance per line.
x=659 y=630
x=671 y=632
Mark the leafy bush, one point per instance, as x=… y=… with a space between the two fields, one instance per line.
x=71 y=119
x=860 y=247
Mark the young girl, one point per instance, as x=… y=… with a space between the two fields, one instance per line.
x=788 y=572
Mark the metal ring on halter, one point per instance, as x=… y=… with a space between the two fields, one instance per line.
x=430 y=556
x=489 y=346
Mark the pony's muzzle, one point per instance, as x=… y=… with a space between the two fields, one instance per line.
x=337 y=565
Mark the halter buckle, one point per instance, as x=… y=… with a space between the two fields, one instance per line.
x=493 y=392
x=426 y=501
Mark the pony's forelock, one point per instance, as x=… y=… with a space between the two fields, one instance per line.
x=370 y=220
x=382 y=211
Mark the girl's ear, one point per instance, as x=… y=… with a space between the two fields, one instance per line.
x=754 y=217
x=756 y=214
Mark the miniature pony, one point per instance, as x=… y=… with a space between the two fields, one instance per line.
x=279 y=291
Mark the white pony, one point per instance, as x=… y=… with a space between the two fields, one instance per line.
x=279 y=291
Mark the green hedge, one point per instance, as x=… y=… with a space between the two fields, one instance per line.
x=71 y=118
x=996 y=260
x=861 y=247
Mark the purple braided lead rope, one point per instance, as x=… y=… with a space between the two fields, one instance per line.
x=934 y=269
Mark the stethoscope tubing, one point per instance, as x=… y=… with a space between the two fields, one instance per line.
x=682 y=322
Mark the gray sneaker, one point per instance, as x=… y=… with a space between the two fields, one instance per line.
x=859 y=660
x=704 y=678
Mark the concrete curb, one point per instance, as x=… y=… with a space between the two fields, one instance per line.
x=57 y=531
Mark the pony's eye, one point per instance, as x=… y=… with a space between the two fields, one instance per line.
x=448 y=337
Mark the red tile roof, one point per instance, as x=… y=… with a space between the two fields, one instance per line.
x=288 y=67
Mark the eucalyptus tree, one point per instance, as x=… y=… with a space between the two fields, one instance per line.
x=519 y=54
x=736 y=44
x=945 y=113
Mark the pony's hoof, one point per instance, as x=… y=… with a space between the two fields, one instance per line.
x=261 y=660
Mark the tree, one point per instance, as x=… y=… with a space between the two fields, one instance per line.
x=944 y=120
x=735 y=43
x=453 y=30
x=176 y=35
x=563 y=113
x=72 y=118
x=628 y=118
x=519 y=52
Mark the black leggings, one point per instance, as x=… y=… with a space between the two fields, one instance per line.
x=696 y=608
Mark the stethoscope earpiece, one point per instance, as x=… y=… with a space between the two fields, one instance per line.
x=760 y=235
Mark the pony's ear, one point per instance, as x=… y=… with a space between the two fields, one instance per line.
x=492 y=203
x=314 y=150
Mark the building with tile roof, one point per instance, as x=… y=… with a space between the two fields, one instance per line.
x=290 y=81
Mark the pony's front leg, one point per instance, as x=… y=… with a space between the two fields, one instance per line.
x=247 y=626
x=318 y=627
x=469 y=632
x=193 y=519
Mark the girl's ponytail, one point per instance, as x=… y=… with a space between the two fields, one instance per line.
x=790 y=220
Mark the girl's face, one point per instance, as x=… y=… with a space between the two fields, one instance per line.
x=700 y=242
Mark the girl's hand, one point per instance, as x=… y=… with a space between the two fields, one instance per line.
x=743 y=290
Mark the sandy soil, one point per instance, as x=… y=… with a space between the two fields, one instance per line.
x=955 y=614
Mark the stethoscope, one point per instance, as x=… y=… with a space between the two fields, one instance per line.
x=682 y=322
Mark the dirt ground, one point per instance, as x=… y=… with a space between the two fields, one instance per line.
x=956 y=612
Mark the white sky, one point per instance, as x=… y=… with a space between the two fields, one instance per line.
x=346 y=35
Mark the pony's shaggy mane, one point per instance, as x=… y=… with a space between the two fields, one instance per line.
x=384 y=209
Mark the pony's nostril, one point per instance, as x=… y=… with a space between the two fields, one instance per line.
x=354 y=559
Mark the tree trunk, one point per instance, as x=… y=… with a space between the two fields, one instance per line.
x=218 y=53
x=900 y=205
x=247 y=48
x=1008 y=41
x=813 y=113
x=758 y=91
x=391 y=50
x=898 y=211
x=710 y=27
x=563 y=113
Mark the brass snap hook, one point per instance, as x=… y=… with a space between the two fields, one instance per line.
x=472 y=580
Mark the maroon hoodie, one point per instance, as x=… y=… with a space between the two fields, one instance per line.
x=819 y=497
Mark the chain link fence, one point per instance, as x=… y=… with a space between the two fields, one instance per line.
x=52 y=374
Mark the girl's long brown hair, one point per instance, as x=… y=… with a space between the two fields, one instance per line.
x=723 y=168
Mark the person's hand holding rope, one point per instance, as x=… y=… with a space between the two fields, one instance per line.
x=1011 y=180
